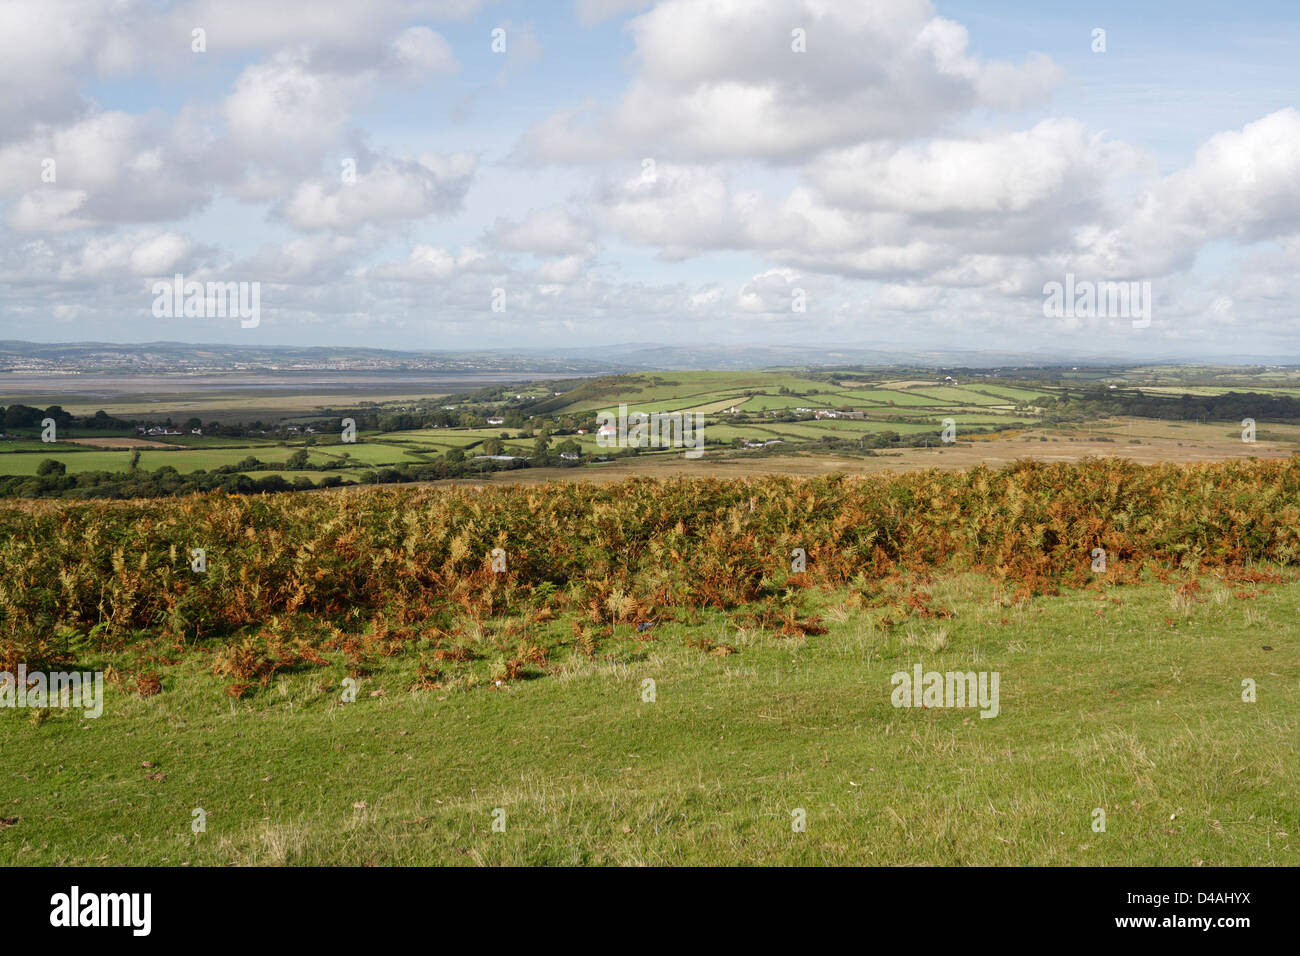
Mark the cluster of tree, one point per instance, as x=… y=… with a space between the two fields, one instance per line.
x=27 y=418
x=867 y=443
x=1228 y=407
x=399 y=420
x=446 y=467
x=226 y=429
x=52 y=481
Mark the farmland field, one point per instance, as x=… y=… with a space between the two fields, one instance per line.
x=902 y=416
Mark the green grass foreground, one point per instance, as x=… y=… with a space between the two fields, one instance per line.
x=1127 y=699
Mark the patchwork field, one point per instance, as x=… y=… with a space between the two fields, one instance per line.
x=995 y=419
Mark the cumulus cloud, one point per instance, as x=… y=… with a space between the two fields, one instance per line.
x=306 y=260
x=562 y=271
x=335 y=28
x=110 y=168
x=284 y=104
x=49 y=49
x=771 y=292
x=46 y=54
x=682 y=210
x=54 y=210
x=549 y=232
x=419 y=51
x=389 y=191
x=724 y=80
x=1242 y=185
x=427 y=263
x=884 y=171
x=135 y=253
x=1002 y=174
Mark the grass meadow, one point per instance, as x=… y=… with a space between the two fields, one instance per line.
x=1128 y=701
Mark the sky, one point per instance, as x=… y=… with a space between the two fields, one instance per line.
x=467 y=174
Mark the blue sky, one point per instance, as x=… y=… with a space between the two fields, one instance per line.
x=639 y=171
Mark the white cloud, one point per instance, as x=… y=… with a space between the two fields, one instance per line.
x=427 y=263
x=135 y=253
x=562 y=271
x=882 y=171
x=391 y=190
x=1006 y=174
x=256 y=24
x=53 y=210
x=46 y=53
x=721 y=80
x=160 y=254
x=771 y=292
x=1243 y=185
x=906 y=298
x=308 y=259
x=283 y=104
x=551 y=232
x=419 y=51
x=50 y=48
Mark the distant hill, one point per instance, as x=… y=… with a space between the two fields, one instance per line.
x=591 y=360
x=179 y=357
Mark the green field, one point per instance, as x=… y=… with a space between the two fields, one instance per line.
x=896 y=397
x=151 y=459
x=942 y=395
x=1131 y=704
x=1008 y=392
x=911 y=404
x=653 y=681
